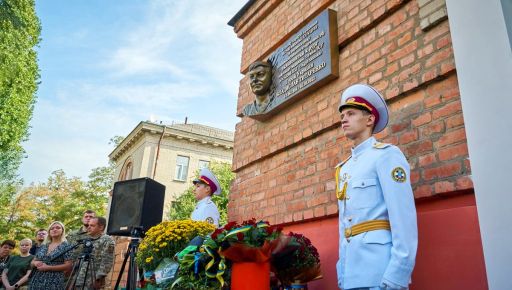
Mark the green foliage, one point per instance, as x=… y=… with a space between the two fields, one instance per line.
x=184 y=205
x=19 y=74
x=60 y=198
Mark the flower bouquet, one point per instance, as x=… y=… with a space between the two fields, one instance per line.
x=168 y=238
x=297 y=262
x=250 y=241
x=215 y=265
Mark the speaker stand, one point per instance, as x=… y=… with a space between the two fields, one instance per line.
x=135 y=236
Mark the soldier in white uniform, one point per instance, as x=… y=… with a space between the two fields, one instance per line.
x=205 y=186
x=377 y=216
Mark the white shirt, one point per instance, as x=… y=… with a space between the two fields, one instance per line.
x=206 y=210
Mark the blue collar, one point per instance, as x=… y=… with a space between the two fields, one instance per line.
x=207 y=199
x=367 y=144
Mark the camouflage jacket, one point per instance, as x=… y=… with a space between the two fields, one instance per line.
x=103 y=257
x=75 y=236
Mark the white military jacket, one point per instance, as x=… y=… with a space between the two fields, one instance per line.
x=377 y=188
x=206 y=210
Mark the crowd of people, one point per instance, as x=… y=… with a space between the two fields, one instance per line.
x=80 y=259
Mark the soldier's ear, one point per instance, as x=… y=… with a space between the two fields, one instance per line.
x=371 y=120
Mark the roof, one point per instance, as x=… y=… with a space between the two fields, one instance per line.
x=240 y=13
x=191 y=132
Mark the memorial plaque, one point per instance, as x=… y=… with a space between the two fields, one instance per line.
x=306 y=61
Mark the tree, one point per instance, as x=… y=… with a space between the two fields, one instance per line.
x=60 y=198
x=19 y=74
x=183 y=206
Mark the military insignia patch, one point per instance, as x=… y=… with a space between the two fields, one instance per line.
x=209 y=220
x=398 y=174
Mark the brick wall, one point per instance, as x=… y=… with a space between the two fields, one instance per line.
x=284 y=166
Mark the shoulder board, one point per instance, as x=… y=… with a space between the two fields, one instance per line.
x=343 y=162
x=379 y=145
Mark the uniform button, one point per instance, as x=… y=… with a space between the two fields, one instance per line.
x=347 y=197
x=349 y=219
x=362 y=184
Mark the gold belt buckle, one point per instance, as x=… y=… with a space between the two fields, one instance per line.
x=348 y=233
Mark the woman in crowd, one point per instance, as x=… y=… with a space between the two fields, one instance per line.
x=51 y=260
x=18 y=269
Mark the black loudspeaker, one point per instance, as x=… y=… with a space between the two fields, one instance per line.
x=135 y=203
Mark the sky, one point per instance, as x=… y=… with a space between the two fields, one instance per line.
x=107 y=65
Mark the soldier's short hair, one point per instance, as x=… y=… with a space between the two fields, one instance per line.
x=89 y=211
x=101 y=221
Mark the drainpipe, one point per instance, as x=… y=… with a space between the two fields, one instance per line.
x=158 y=151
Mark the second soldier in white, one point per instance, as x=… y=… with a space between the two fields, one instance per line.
x=205 y=186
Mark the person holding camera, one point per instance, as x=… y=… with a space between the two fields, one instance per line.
x=101 y=256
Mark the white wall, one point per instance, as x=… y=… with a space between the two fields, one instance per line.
x=483 y=57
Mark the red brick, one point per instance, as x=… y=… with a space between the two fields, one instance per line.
x=417 y=148
x=404 y=39
x=308 y=214
x=454 y=121
x=332 y=208
x=395 y=128
x=408 y=137
x=319 y=211
x=415 y=176
x=426 y=160
x=423 y=191
x=445 y=170
x=452 y=137
x=411 y=47
x=422 y=119
x=467 y=165
x=409 y=72
x=448 y=66
x=375 y=77
x=432 y=128
x=453 y=152
x=438 y=57
x=391 y=68
x=436 y=32
x=318 y=200
x=444 y=186
x=426 y=50
x=409 y=85
x=429 y=75
x=448 y=109
x=464 y=182
x=432 y=101
x=443 y=41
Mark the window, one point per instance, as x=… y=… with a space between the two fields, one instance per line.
x=127 y=170
x=203 y=164
x=181 y=168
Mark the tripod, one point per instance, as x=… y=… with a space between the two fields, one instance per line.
x=135 y=236
x=90 y=271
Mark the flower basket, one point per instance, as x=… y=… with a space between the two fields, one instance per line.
x=228 y=254
x=166 y=239
x=297 y=263
x=250 y=276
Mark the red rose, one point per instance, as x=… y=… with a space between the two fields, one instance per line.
x=216 y=233
x=240 y=236
x=229 y=226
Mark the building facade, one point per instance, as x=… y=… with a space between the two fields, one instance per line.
x=437 y=63
x=171 y=155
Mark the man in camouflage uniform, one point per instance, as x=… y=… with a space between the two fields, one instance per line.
x=81 y=233
x=102 y=256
